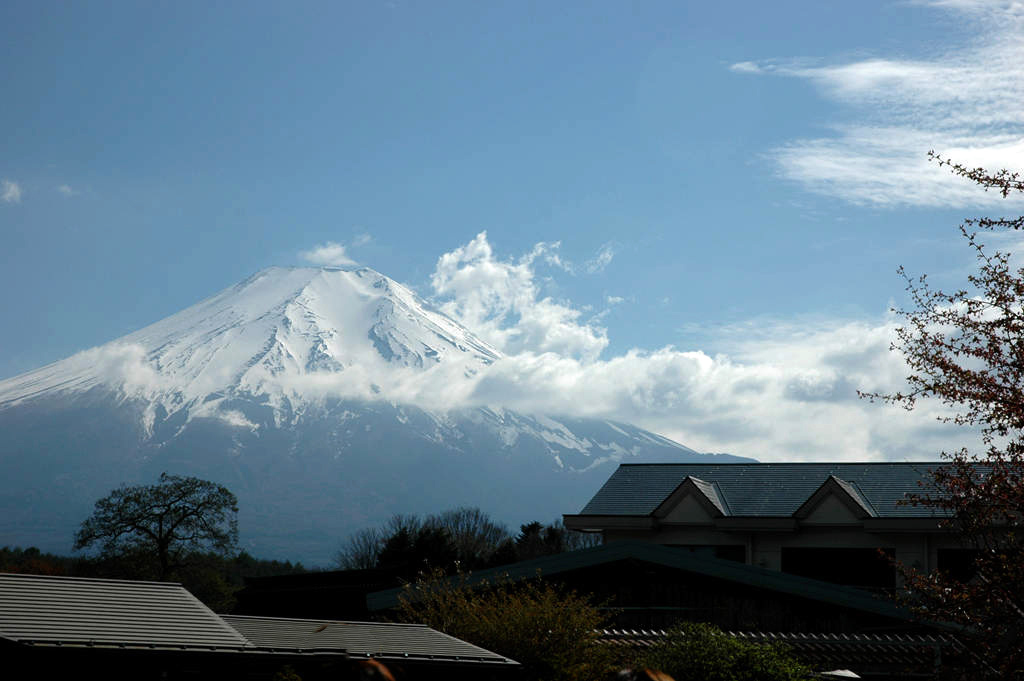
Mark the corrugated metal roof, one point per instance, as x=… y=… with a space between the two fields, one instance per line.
x=360 y=639
x=36 y=609
x=824 y=650
x=763 y=489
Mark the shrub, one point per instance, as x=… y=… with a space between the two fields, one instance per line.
x=552 y=632
x=701 y=652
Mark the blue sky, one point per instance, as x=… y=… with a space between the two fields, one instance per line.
x=726 y=188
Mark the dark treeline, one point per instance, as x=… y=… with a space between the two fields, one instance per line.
x=457 y=539
x=212 y=578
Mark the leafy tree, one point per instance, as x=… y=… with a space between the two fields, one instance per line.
x=965 y=348
x=418 y=550
x=163 y=525
x=537 y=540
x=552 y=632
x=701 y=652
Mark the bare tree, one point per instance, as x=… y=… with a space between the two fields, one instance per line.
x=361 y=550
x=167 y=521
x=475 y=536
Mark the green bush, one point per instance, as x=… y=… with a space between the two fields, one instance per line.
x=701 y=652
x=552 y=632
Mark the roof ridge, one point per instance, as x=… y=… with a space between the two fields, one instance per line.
x=100 y=580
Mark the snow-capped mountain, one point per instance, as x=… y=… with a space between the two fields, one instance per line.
x=326 y=398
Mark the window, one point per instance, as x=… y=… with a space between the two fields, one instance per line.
x=852 y=567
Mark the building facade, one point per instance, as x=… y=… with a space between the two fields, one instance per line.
x=841 y=522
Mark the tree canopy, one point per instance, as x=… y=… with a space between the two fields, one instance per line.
x=965 y=348
x=163 y=524
x=457 y=539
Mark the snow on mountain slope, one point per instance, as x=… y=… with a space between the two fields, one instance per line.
x=291 y=334
x=299 y=388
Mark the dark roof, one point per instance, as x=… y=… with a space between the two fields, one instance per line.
x=763 y=489
x=384 y=641
x=45 y=610
x=740 y=573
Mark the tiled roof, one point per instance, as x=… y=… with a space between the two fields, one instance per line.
x=385 y=641
x=44 y=610
x=763 y=489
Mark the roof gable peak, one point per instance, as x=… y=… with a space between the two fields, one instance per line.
x=835 y=489
x=707 y=496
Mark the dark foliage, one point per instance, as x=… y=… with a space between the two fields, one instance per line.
x=212 y=578
x=32 y=561
x=965 y=348
x=457 y=539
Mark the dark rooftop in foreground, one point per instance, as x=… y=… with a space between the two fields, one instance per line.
x=388 y=642
x=42 y=610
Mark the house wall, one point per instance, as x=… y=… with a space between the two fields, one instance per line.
x=764 y=548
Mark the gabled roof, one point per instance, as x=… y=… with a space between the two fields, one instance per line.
x=847 y=492
x=44 y=610
x=764 y=489
x=380 y=640
x=740 y=573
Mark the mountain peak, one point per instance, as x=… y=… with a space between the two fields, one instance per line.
x=280 y=333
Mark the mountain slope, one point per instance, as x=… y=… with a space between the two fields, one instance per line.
x=326 y=398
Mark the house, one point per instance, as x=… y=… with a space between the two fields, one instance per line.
x=833 y=522
x=63 y=626
x=643 y=585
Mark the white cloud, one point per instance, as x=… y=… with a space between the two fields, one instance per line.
x=963 y=103
x=330 y=254
x=794 y=399
x=501 y=302
x=66 y=190
x=746 y=67
x=784 y=391
x=775 y=390
x=10 y=191
x=614 y=300
x=601 y=260
x=361 y=240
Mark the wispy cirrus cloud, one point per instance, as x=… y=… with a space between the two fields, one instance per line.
x=601 y=260
x=66 y=191
x=963 y=103
x=10 y=191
